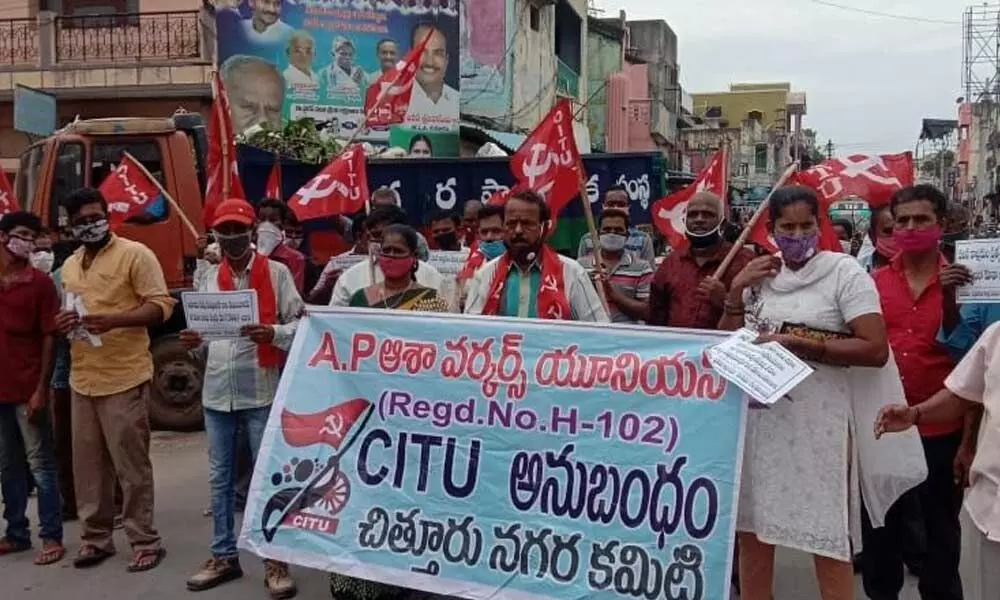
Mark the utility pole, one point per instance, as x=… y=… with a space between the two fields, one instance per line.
x=829 y=149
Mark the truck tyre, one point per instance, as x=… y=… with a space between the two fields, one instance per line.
x=175 y=395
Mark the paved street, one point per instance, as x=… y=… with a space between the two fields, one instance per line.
x=182 y=495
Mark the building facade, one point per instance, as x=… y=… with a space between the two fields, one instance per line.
x=103 y=59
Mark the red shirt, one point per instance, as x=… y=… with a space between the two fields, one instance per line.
x=296 y=263
x=912 y=326
x=28 y=309
x=673 y=300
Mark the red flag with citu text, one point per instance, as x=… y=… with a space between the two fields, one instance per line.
x=130 y=192
x=220 y=136
x=330 y=427
x=340 y=188
x=548 y=162
x=872 y=178
x=8 y=202
x=670 y=213
x=273 y=187
x=387 y=100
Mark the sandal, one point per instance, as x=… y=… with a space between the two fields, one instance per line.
x=10 y=547
x=52 y=552
x=145 y=560
x=90 y=556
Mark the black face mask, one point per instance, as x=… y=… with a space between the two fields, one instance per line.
x=705 y=240
x=235 y=247
x=447 y=241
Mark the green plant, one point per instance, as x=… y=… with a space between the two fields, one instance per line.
x=299 y=139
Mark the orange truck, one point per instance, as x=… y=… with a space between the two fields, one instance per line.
x=172 y=149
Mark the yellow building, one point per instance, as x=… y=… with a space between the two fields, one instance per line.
x=775 y=105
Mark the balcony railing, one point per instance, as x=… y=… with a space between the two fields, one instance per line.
x=128 y=37
x=117 y=39
x=567 y=80
x=19 y=42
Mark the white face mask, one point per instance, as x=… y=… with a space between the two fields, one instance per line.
x=269 y=237
x=43 y=260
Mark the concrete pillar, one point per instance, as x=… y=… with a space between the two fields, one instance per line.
x=46 y=39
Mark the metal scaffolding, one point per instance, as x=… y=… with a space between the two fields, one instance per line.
x=981 y=53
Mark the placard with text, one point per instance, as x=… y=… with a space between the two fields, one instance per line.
x=501 y=458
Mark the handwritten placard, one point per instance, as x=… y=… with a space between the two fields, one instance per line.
x=220 y=315
x=982 y=257
x=765 y=371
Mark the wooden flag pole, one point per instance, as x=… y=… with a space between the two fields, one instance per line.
x=588 y=213
x=738 y=245
x=170 y=199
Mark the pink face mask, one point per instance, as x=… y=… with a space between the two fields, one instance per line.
x=917 y=240
x=395 y=267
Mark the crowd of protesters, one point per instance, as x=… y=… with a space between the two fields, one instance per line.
x=878 y=321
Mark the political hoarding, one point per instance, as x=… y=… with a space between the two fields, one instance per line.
x=291 y=59
x=500 y=457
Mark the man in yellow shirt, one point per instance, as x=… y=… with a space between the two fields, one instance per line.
x=114 y=290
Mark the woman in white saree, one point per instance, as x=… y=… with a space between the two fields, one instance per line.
x=805 y=454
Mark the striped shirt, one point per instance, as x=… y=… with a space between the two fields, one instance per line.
x=631 y=276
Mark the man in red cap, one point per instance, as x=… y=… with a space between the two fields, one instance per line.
x=241 y=379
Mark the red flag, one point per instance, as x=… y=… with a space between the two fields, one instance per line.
x=396 y=87
x=220 y=135
x=670 y=213
x=8 y=202
x=130 y=192
x=872 y=178
x=340 y=188
x=548 y=162
x=330 y=426
x=273 y=187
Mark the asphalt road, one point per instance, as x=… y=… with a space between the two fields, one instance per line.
x=180 y=463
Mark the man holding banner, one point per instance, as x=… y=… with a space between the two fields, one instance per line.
x=531 y=280
x=241 y=378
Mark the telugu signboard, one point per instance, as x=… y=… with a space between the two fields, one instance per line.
x=283 y=59
x=500 y=457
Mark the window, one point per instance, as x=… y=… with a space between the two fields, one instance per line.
x=760 y=158
x=535 y=17
x=93 y=13
x=67 y=178
x=104 y=157
x=27 y=174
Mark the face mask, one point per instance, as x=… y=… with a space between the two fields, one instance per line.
x=917 y=240
x=845 y=245
x=43 y=260
x=92 y=233
x=447 y=240
x=396 y=267
x=704 y=240
x=797 y=249
x=887 y=246
x=613 y=242
x=269 y=237
x=492 y=249
x=20 y=248
x=235 y=247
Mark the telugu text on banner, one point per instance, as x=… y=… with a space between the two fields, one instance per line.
x=476 y=457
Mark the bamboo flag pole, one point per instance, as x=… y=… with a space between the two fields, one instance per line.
x=170 y=199
x=738 y=245
x=588 y=213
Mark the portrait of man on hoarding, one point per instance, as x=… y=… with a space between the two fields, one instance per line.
x=432 y=98
x=343 y=76
x=265 y=25
x=301 y=51
x=256 y=91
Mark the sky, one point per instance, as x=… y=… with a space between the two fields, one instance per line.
x=869 y=80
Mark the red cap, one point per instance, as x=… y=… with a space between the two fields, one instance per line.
x=234 y=210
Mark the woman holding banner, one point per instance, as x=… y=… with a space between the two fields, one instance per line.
x=804 y=454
